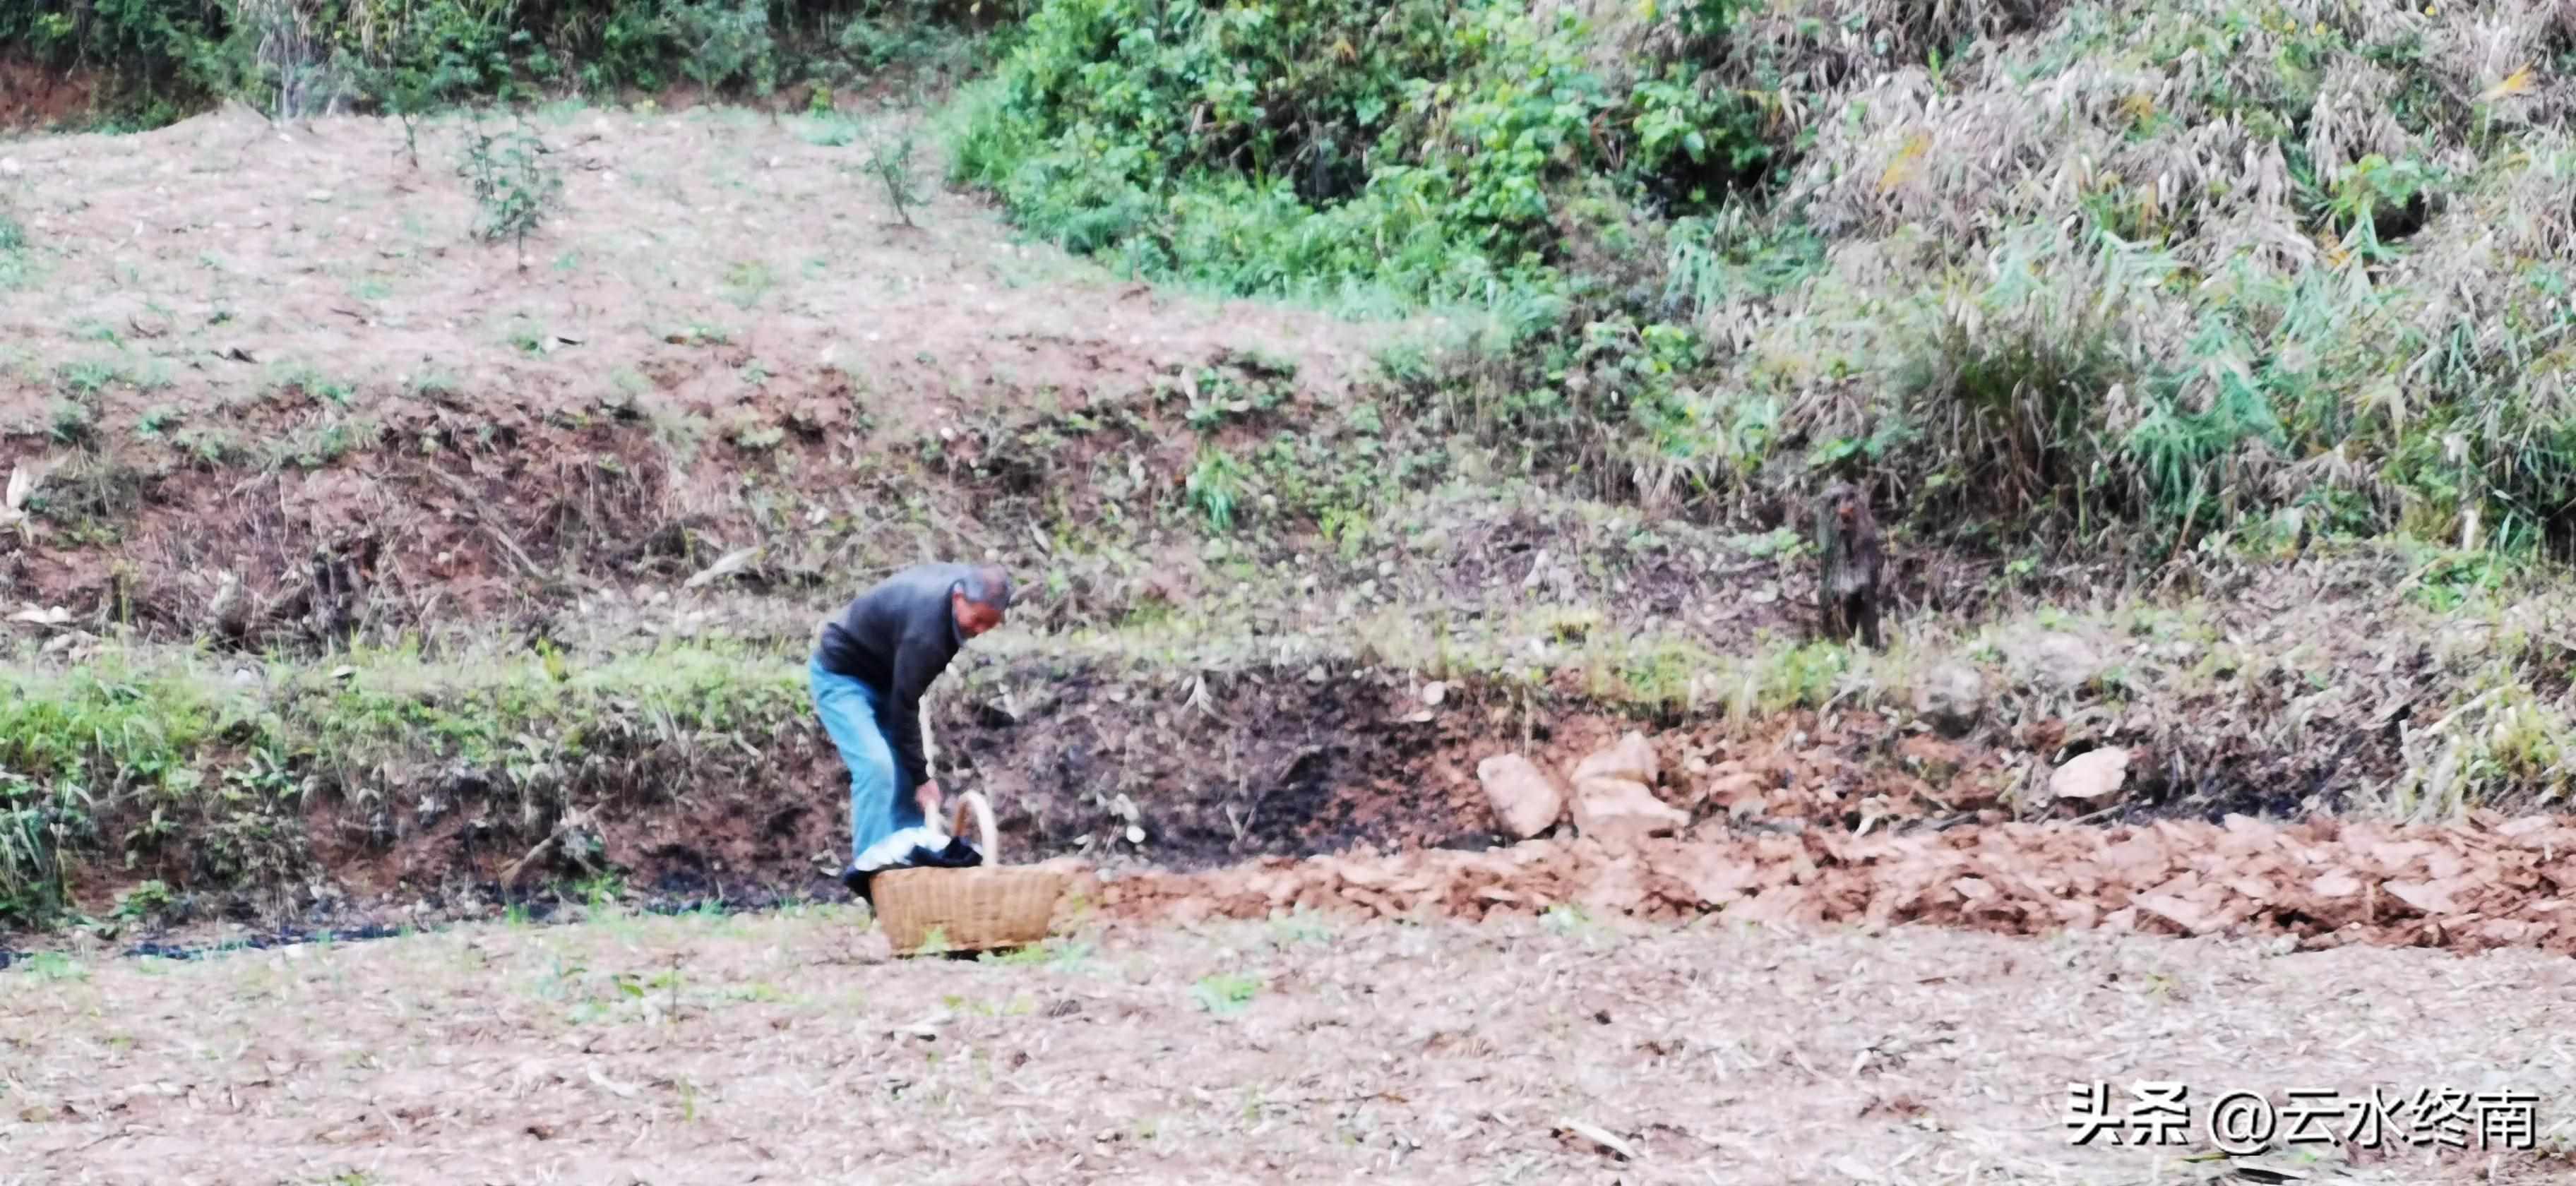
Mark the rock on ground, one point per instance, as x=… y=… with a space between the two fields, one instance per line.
x=2092 y=776
x=1614 y=798
x=1632 y=758
x=2053 y=658
x=1618 y=811
x=1525 y=800
x=1951 y=696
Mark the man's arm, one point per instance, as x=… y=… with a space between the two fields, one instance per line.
x=911 y=675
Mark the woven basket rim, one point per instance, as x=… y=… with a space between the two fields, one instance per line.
x=968 y=873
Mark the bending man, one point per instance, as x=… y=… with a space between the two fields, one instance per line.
x=869 y=670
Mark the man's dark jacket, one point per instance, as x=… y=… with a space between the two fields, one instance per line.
x=896 y=638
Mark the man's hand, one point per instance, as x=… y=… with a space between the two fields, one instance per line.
x=928 y=796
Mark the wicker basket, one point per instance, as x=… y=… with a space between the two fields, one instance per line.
x=973 y=909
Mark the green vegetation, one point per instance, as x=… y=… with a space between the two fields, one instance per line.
x=1225 y=993
x=164 y=59
x=1385 y=157
x=146 y=761
x=1437 y=151
x=891 y=164
x=2235 y=353
x=513 y=185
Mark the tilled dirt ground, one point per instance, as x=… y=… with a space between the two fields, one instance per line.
x=786 y=1047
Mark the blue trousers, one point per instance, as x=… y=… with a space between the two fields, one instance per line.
x=881 y=797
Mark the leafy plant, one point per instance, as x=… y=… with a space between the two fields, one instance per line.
x=891 y=163
x=1225 y=993
x=1215 y=487
x=513 y=184
x=143 y=901
x=723 y=41
x=54 y=965
x=420 y=65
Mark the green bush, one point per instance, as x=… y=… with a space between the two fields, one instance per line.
x=72 y=743
x=167 y=56
x=1434 y=150
x=164 y=59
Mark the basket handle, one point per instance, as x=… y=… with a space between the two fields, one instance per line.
x=983 y=820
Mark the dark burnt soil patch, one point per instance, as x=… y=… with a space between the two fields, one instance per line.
x=2211 y=779
x=1284 y=765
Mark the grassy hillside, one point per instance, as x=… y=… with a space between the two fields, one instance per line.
x=2261 y=269
x=2268 y=270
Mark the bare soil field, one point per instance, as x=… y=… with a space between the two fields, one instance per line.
x=786 y=1047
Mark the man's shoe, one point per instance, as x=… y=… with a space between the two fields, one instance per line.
x=857 y=883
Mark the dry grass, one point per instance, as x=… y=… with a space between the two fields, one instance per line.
x=782 y=1048
x=2153 y=102
x=2308 y=247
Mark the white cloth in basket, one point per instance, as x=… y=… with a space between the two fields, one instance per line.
x=919 y=845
